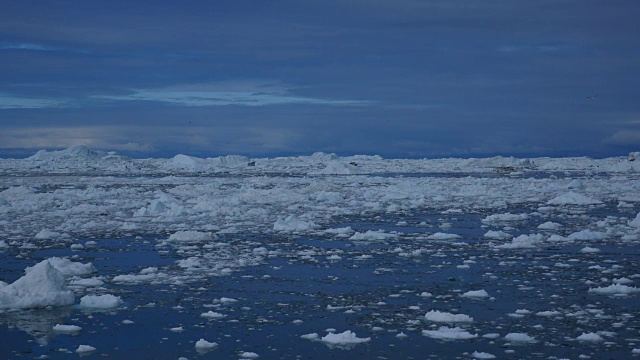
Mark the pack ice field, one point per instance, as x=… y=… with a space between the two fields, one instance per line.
x=320 y=256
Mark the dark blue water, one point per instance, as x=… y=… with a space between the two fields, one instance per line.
x=346 y=294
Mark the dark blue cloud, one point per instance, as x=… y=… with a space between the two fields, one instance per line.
x=403 y=78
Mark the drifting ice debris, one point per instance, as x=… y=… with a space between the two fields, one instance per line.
x=42 y=285
x=345 y=338
x=338 y=168
x=101 y=302
x=80 y=152
x=615 y=289
x=519 y=338
x=445 y=317
x=447 y=333
x=635 y=222
x=572 y=198
x=83 y=349
x=291 y=223
x=204 y=344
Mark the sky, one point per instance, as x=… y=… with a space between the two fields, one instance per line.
x=402 y=78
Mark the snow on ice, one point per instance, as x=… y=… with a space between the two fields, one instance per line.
x=228 y=248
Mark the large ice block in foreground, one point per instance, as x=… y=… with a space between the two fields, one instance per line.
x=43 y=285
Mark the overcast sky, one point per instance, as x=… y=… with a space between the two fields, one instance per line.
x=401 y=78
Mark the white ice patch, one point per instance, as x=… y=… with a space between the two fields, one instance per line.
x=190 y=235
x=338 y=168
x=204 y=344
x=635 y=222
x=443 y=236
x=587 y=235
x=523 y=242
x=573 y=198
x=293 y=224
x=497 y=235
x=615 y=289
x=590 y=337
x=549 y=225
x=41 y=286
x=519 y=338
x=371 y=235
x=505 y=217
x=83 y=349
x=447 y=333
x=67 y=328
x=445 y=317
x=344 y=338
x=100 y=302
x=476 y=294
x=70 y=268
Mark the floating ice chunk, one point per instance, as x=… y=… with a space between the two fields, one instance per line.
x=292 y=223
x=519 y=338
x=572 y=198
x=249 y=355
x=438 y=316
x=66 y=328
x=106 y=301
x=549 y=225
x=204 y=344
x=498 y=235
x=426 y=294
x=443 y=236
x=41 y=286
x=482 y=355
x=177 y=329
x=523 y=242
x=345 y=338
x=328 y=197
x=70 y=268
x=447 y=333
x=575 y=184
x=47 y=234
x=312 y=336
x=345 y=231
x=587 y=235
x=83 y=349
x=190 y=235
x=476 y=294
x=338 y=168
x=635 y=222
x=548 y=313
x=226 y=300
x=372 y=235
x=622 y=280
x=588 y=249
x=615 y=289
x=213 y=315
x=505 y=217
x=591 y=337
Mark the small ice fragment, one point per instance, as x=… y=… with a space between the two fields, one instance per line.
x=476 y=294
x=592 y=337
x=344 y=338
x=482 y=355
x=519 y=338
x=106 y=301
x=249 y=355
x=83 y=349
x=213 y=315
x=66 y=328
x=438 y=316
x=204 y=344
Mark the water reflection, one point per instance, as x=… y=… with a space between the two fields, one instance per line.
x=38 y=323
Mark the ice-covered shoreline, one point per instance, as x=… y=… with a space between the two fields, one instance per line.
x=504 y=225
x=82 y=160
